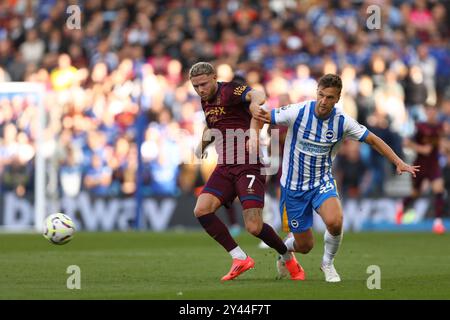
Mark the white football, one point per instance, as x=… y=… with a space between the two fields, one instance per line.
x=59 y=228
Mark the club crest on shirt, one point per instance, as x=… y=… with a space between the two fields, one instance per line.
x=329 y=135
x=212 y=119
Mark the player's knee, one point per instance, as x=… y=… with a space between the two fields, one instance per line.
x=335 y=227
x=253 y=228
x=201 y=211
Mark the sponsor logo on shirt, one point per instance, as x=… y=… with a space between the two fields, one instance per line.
x=217 y=111
x=313 y=148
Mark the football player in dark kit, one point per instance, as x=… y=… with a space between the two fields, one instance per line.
x=228 y=108
x=426 y=144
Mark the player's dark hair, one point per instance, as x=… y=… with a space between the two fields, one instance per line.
x=201 y=68
x=330 y=81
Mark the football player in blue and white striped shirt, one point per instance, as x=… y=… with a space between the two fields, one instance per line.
x=315 y=131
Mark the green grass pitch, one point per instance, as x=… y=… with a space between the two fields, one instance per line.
x=189 y=265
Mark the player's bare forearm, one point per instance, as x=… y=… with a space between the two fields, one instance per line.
x=256 y=125
x=204 y=143
x=256 y=98
x=206 y=139
x=381 y=147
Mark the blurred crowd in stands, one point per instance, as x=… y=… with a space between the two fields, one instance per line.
x=122 y=77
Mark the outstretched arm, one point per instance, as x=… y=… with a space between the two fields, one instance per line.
x=375 y=142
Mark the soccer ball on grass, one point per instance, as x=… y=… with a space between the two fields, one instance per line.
x=59 y=228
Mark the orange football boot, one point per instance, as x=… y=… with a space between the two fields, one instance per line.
x=295 y=269
x=238 y=267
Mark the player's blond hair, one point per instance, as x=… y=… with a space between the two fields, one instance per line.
x=201 y=68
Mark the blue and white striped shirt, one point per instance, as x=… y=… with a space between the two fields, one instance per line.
x=312 y=143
